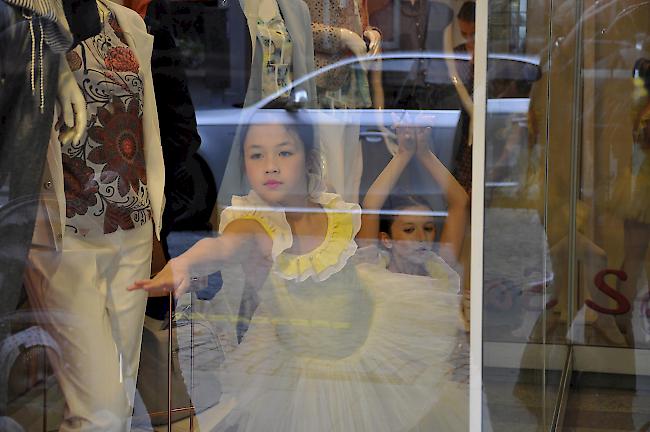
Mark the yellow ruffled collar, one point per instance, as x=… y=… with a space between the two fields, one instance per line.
x=338 y=245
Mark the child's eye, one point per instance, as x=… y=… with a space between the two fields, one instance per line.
x=285 y=153
x=255 y=156
x=428 y=228
x=409 y=230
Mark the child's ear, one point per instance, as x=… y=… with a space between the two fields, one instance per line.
x=385 y=240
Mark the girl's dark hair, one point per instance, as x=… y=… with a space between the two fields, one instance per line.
x=303 y=129
x=396 y=202
x=642 y=70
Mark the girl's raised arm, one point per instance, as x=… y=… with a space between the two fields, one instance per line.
x=207 y=256
x=384 y=184
x=453 y=230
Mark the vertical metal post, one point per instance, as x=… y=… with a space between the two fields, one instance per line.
x=192 y=410
x=169 y=363
x=477 y=216
x=45 y=361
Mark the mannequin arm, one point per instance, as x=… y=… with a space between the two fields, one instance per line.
x=378 y=99
x=353 y=42
x=72 y=105
x=332 y=40
x=374 y=40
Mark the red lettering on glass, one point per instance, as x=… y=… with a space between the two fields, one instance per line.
x=622 y=304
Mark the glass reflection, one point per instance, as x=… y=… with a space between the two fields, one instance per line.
x=325 y=324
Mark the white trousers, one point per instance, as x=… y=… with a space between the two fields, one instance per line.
x=82 y=301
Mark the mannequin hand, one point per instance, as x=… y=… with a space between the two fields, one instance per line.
x=174 y=277
x=374 y=39
x=71 y=104
x=354 y=42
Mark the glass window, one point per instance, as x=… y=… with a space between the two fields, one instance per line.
x=239 y=215
x=565 y=245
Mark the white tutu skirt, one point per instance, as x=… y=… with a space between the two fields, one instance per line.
x=392 y=373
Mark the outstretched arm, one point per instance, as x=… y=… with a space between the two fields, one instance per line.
x=453 y=230
x=207 y=256
x=384 y=184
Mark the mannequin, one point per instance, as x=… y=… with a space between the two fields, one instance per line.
x=292 y=19
x=107 y=190
x=339 y=28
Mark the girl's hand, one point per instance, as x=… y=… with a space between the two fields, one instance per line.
x=423 y=139
x=174 y=277
x=406 y=141
x=423 y=135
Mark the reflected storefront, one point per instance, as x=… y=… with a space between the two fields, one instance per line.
x=564 y=318
x=258 y=215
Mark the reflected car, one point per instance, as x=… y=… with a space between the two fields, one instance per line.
x=418 y=90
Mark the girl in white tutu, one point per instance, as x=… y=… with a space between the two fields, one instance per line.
x=406 y=232
x=337 y=342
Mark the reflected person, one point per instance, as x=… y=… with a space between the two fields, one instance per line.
x=324 y=346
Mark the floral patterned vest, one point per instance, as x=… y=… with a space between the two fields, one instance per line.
x=105 y=174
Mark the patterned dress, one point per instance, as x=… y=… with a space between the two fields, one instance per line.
x=341 y=87
x=105 y=174
x=277 y=54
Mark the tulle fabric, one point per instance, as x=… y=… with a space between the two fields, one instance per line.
x=380 y=365
x=355 y=349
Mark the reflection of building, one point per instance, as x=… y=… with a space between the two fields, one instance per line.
x=508 y=28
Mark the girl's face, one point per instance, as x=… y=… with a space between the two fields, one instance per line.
x=274 y=160
x=411 y=236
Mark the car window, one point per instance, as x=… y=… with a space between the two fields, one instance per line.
x=407 y=83
x=509 y=78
